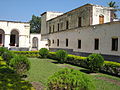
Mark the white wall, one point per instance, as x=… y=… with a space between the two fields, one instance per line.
x=100 y=10
x=104 y=32
x=22 y=28
x=41 y=44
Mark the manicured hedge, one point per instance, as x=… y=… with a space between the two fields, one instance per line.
x=108 y=67
x=28 y=53
x=111 y=67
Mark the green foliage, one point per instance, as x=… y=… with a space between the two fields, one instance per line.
x=111 y=67
x=52 y=55
x=35 y=24
x=20 y=64
x=95 y=62
x=12 y=81
x=43 y=52
x=61 y=56
x=113 y=12
x=69 y=79
x=6 y=54
x=2 y=50
x=2 y=62
x=77 y=60
x=30 y=54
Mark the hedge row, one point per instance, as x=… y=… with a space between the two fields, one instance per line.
x=28 y=53
x=108 y=67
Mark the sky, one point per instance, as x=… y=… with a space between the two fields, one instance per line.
x=22 y=10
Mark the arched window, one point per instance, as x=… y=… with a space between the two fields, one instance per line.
x=2 y=37
x=101 y=19
x=14 y=38
x=35 y=42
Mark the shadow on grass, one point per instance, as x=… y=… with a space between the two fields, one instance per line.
x=86 y=71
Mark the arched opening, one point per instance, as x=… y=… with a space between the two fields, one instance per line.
x=2 y=37
x=35 y=42
x=101 y=19
x=14 y=38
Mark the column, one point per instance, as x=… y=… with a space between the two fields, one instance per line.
x=7 y=40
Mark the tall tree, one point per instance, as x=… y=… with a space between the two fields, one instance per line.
x=35 y=24
x=113 y=5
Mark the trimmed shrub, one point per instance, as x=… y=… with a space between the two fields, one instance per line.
x=52 y=55
x=111 y=67
x=30 y=54
x=12 y=81
x=69 y=79
x=7 y=56
x=2 y=62
x=95 y=62
x=20 y=64
x=43 y=52
x=77 y=60
x=2 y=50
x=61 y=56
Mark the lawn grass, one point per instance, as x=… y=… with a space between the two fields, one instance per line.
x=41 y=69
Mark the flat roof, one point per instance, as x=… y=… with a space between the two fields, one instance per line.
x=13 y=21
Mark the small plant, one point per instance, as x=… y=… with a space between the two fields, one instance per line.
x=7 y=56
x=20 y=64
x=43 y=52
x=69 y=79
x=95 y=62
x=2 y=50
x=61 y=56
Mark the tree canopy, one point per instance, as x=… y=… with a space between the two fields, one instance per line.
x=35 y=24
x=113 y=5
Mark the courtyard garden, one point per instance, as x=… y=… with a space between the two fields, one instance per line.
x=44 y=70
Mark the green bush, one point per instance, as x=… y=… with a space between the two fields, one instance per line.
x=69 y=79
x=77 y=60
x=30 y=54
x=111 y=67
x=2 y=50
x=95 y=62
x=12 y=81
x=43 y=52
x=61 y=56
x=20 y=64
x=2 y=62
x=52 y=55
x=7 y=56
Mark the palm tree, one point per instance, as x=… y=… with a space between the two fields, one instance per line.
x=113 y=12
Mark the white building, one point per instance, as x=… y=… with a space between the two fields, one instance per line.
x=87 y=29
x=16 y=36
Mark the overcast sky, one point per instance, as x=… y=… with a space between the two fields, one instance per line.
x=22 y=10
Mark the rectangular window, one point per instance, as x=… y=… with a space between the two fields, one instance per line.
x=79 y=22
x=57 y=42
x=96 y=44
x=114 y=44
x=50 y=29
x=53 y=28
x=67 y=25
x=66 y=42
x=58 y=27
x=79 y=44
x=53 y=41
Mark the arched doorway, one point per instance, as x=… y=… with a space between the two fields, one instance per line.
x=14 y=38
x=2 y=37
x=101 y=19
x=35 y=42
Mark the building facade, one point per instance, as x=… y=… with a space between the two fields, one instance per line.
x=16 y=36
x=87 y=29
